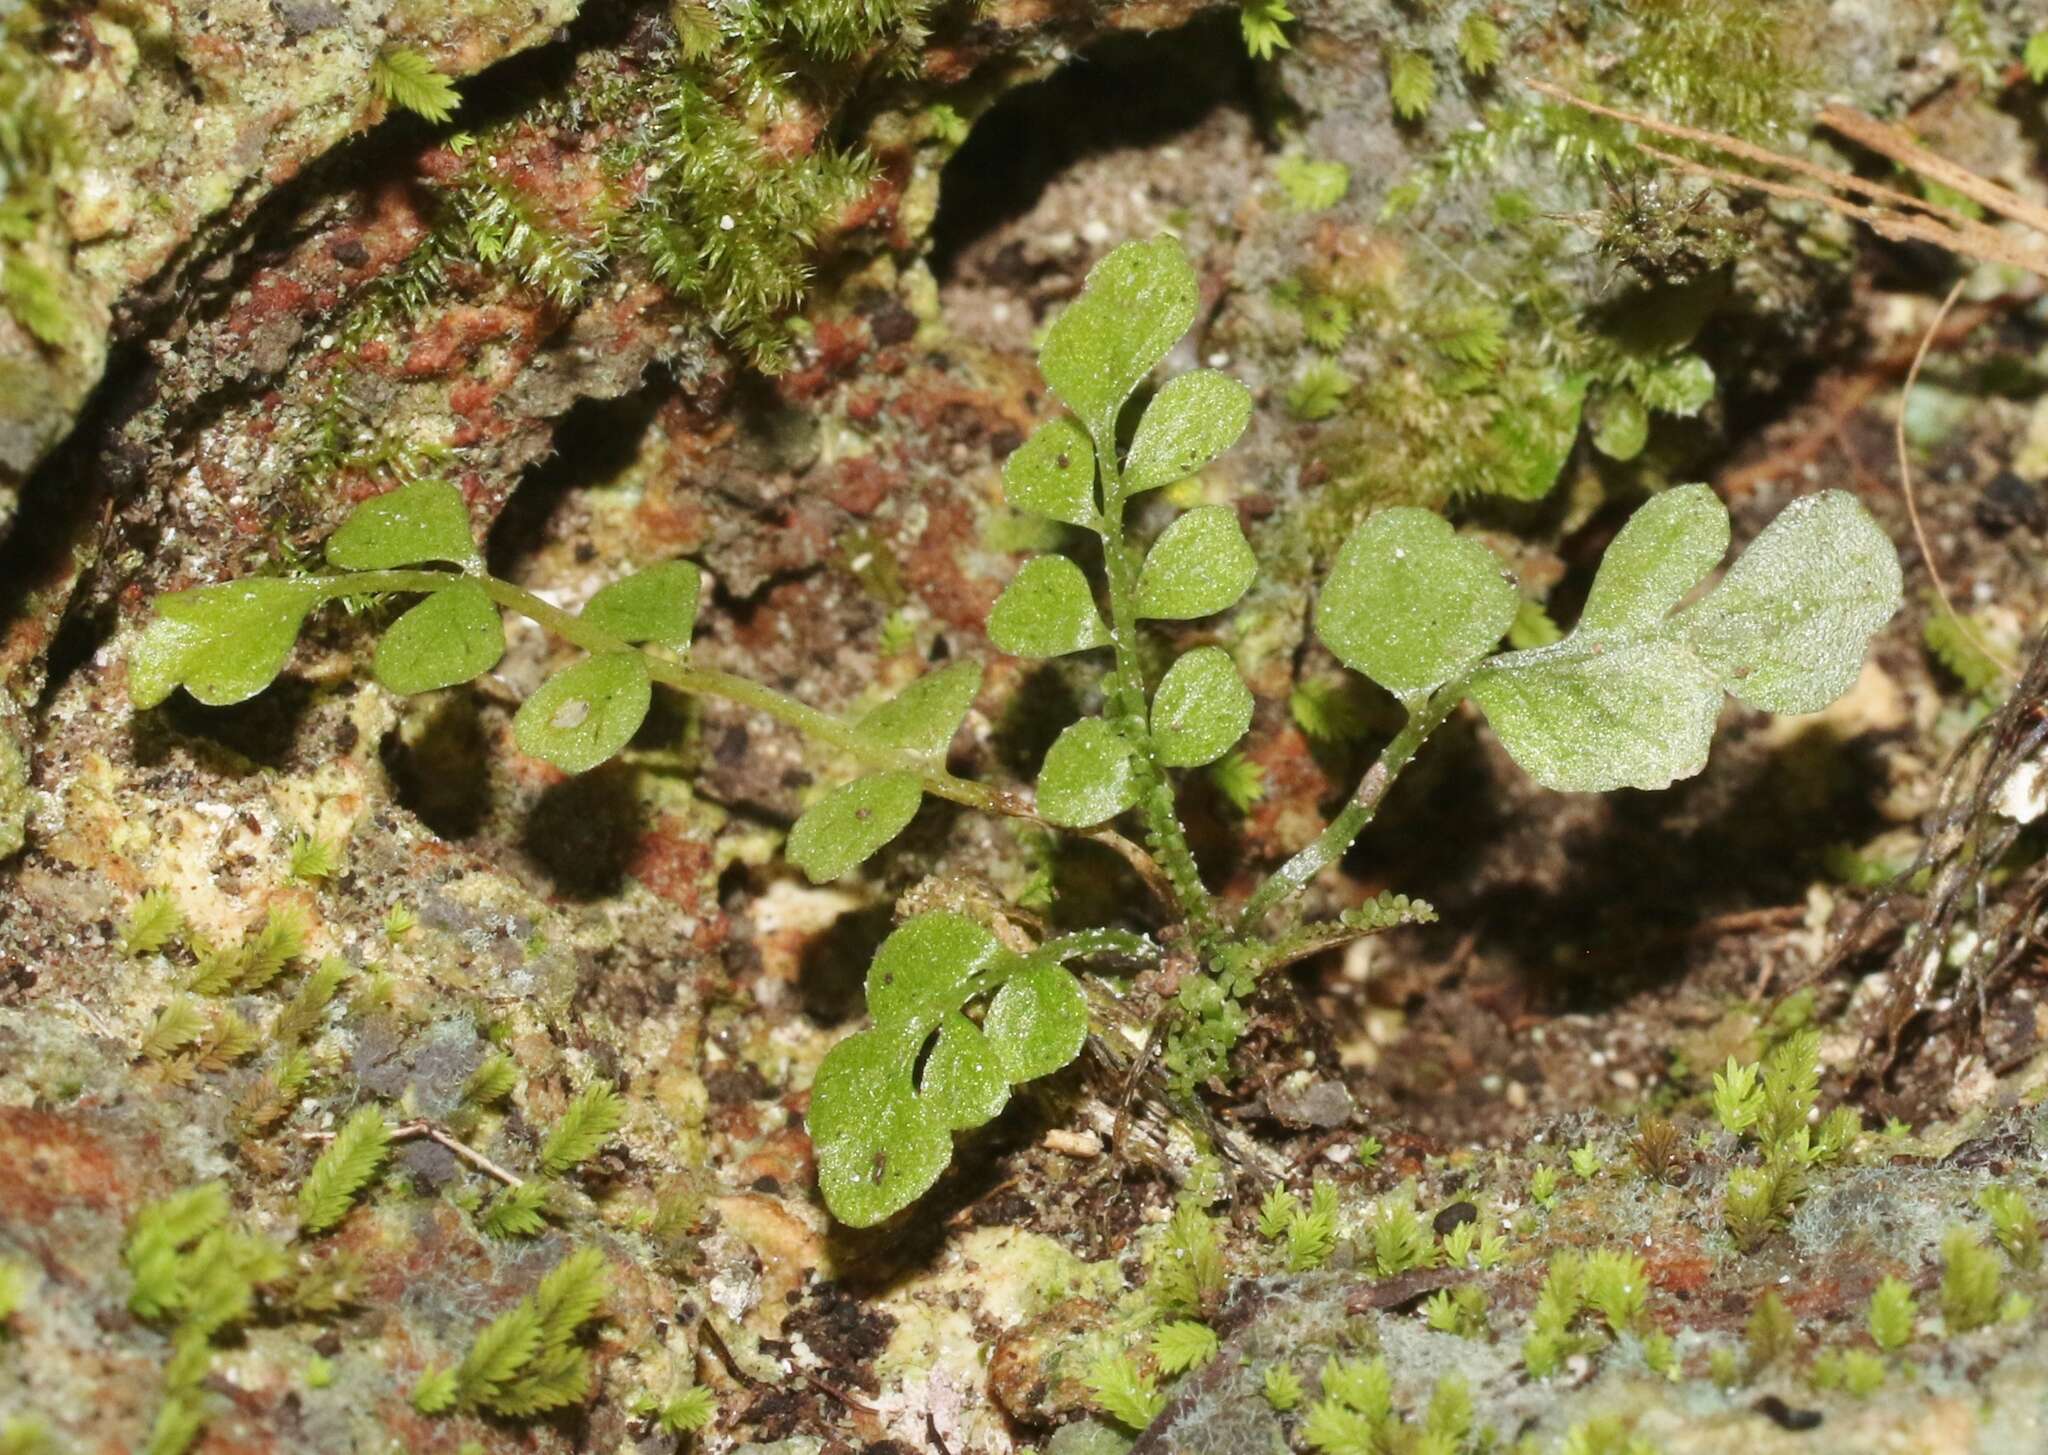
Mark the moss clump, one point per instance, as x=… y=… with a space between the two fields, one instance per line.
x=34 y=145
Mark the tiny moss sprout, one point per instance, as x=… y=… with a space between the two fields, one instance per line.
x=958 y=1012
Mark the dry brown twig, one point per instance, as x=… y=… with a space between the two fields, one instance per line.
x=1890 y=213
x=413 y=1131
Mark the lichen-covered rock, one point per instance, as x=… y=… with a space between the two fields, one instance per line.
x=169 y=130
x=692 y=281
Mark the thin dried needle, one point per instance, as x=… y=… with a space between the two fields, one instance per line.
x=1963 y=624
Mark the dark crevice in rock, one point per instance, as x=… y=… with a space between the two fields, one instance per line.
x=594 y=443
x=1102 y=101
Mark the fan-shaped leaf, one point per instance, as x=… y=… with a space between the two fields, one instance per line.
x=879 y=1145
x=1199 y=565
x=1787 y=627
x=964 y=1081
x=1664 y=551
x=157 y=661
x=1588 y=716
x=851 y=822
x=881 y=1122
x=1201 y=708
x=1047 y=611
x=918 y=973
x=584 y=714
x=923 y=717
x=1630 y=698
x=658 y=604
x=1411 y=604
x=1136 y=303
x=1090 y=775
x=1037 y=1022
x=1191 y=420
x=423 y=521
x=452 y=636
x=224 y=643
x=1053 y=473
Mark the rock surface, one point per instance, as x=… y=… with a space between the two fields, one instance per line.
x=277 y=296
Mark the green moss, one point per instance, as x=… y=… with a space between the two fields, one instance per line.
x=35 y=146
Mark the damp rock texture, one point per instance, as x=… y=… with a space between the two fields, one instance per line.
x=758 y=283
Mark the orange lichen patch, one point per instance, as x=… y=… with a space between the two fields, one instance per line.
x=274 y=293
x=936 y=407
x=457 y=335
x=1681 y=1274
x=863 y=484
x=1025 y=1374
x=675 y=866
x=836 y=347
x=55 y=1164
x=438 y=1246
x=785 y=1158
x=1288 y=814
x=933 y=569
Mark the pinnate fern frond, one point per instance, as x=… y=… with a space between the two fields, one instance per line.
x=405 y=77
x=349 y=1162
x=594 y=1113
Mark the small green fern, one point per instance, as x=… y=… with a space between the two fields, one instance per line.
x=527 y=1361
x=404 y=77
x=155 y=921
x=517 y=1212
x=593 y=1114
x=349 y=1162
x=492 y=1081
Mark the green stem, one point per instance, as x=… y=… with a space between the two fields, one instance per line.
x=1329 y=846
x=1127 y=709
x=1084 y=943
x=699 y=681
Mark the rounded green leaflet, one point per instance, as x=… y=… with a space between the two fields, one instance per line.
x=1680 y=386
x=1136 y=303
x=1090 y=775
x=657 y=605
x=851 y=822
x=157 y=661
x=1202 y=707
x=1787 y=627
x=230 y=640
x=879 y=1145
x=923 y=717
x=964 y=1081
x=1623 y=426
x=1201 y=564
x=584 y=714
x=1590 y=716
x=1037 y=1021
x=1191 y=420
x=924 y=968
x=424 y=521
x=452 y=636
x=1047 y=611
x=1053 y=473
x=1411 y=604
x=1664 y=551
